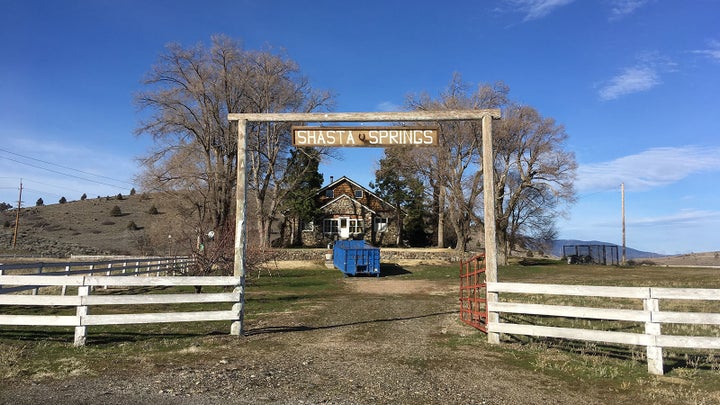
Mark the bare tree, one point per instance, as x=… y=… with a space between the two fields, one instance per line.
x=276 y=87
x=191 y=91
x=533 y=175
x=455 y=165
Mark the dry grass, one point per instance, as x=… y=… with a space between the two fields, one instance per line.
x=79 y=226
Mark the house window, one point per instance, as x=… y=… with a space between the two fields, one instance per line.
x=330 y=226
x=381 y=224
x=330 y=193
x=358 y=193
x=356 y=226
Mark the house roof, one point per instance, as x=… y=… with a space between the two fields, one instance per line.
x=345 y=178
x=351 y=199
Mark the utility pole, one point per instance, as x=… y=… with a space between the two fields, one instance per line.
x=622 y=197
x=17 y=217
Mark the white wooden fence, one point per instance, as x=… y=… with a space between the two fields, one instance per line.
x=650 y=315
x=136 y=266
x=84 y=300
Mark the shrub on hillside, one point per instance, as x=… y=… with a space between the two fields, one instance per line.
x=119 y=196
x=39 y=202
x=132 y=191
x=131 y=226
x=83 y=197
x=116 y=211
x=153 y=210
x=63 y=200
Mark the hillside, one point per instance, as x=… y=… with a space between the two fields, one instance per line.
x=87 y=227
x=690 y=259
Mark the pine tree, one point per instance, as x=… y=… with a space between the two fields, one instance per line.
x=300 y=205
x=405 y=193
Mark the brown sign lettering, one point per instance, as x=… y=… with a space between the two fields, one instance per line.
x=364 y=136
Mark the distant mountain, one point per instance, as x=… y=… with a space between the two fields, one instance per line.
x=630 y=253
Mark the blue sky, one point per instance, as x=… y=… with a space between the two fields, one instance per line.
x=634 y=82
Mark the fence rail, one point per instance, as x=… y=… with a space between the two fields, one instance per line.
x=120 y=267
x=84 y=299
x=650 y=315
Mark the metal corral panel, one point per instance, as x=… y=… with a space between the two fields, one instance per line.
x=354 y=257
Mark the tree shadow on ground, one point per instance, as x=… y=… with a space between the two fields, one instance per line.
x=305 y=328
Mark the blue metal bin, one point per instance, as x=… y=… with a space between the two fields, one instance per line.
x=354 y=257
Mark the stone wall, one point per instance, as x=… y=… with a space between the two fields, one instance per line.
x=387 y=255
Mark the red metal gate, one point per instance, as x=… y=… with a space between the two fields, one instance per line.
x=473 y=293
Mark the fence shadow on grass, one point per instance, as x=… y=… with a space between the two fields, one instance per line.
x=111 y=338
x=101 y=338
x=59 y=336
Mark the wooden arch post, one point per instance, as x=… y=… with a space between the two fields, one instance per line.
x=484 y=115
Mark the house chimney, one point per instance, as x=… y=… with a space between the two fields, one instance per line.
x=331 y=179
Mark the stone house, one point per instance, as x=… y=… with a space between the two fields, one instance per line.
x=348 y=210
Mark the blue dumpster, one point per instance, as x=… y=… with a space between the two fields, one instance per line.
x=354 y=257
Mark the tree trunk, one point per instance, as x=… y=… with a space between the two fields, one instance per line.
x=398 y=212
x=461 y=236
x=263 y=231
x=502 y=257
x=295 y=231
x=441 y=219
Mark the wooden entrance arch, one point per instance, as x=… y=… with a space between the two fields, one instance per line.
x=484 y=115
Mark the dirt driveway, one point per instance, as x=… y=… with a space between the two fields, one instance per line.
x=386 y=341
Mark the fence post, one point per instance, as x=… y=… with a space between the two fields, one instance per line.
x=64 y=287
x=238 y=308
x=108 y=273
x=80 y=313
x=37 y=289
x=137 y=267
x=652 y=329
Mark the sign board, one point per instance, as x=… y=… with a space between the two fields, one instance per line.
x=365 y=136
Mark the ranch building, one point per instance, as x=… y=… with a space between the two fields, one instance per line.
x=348 y=210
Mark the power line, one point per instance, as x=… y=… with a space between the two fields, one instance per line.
x=61 y=166
x=54 y=186
x=67 y=174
